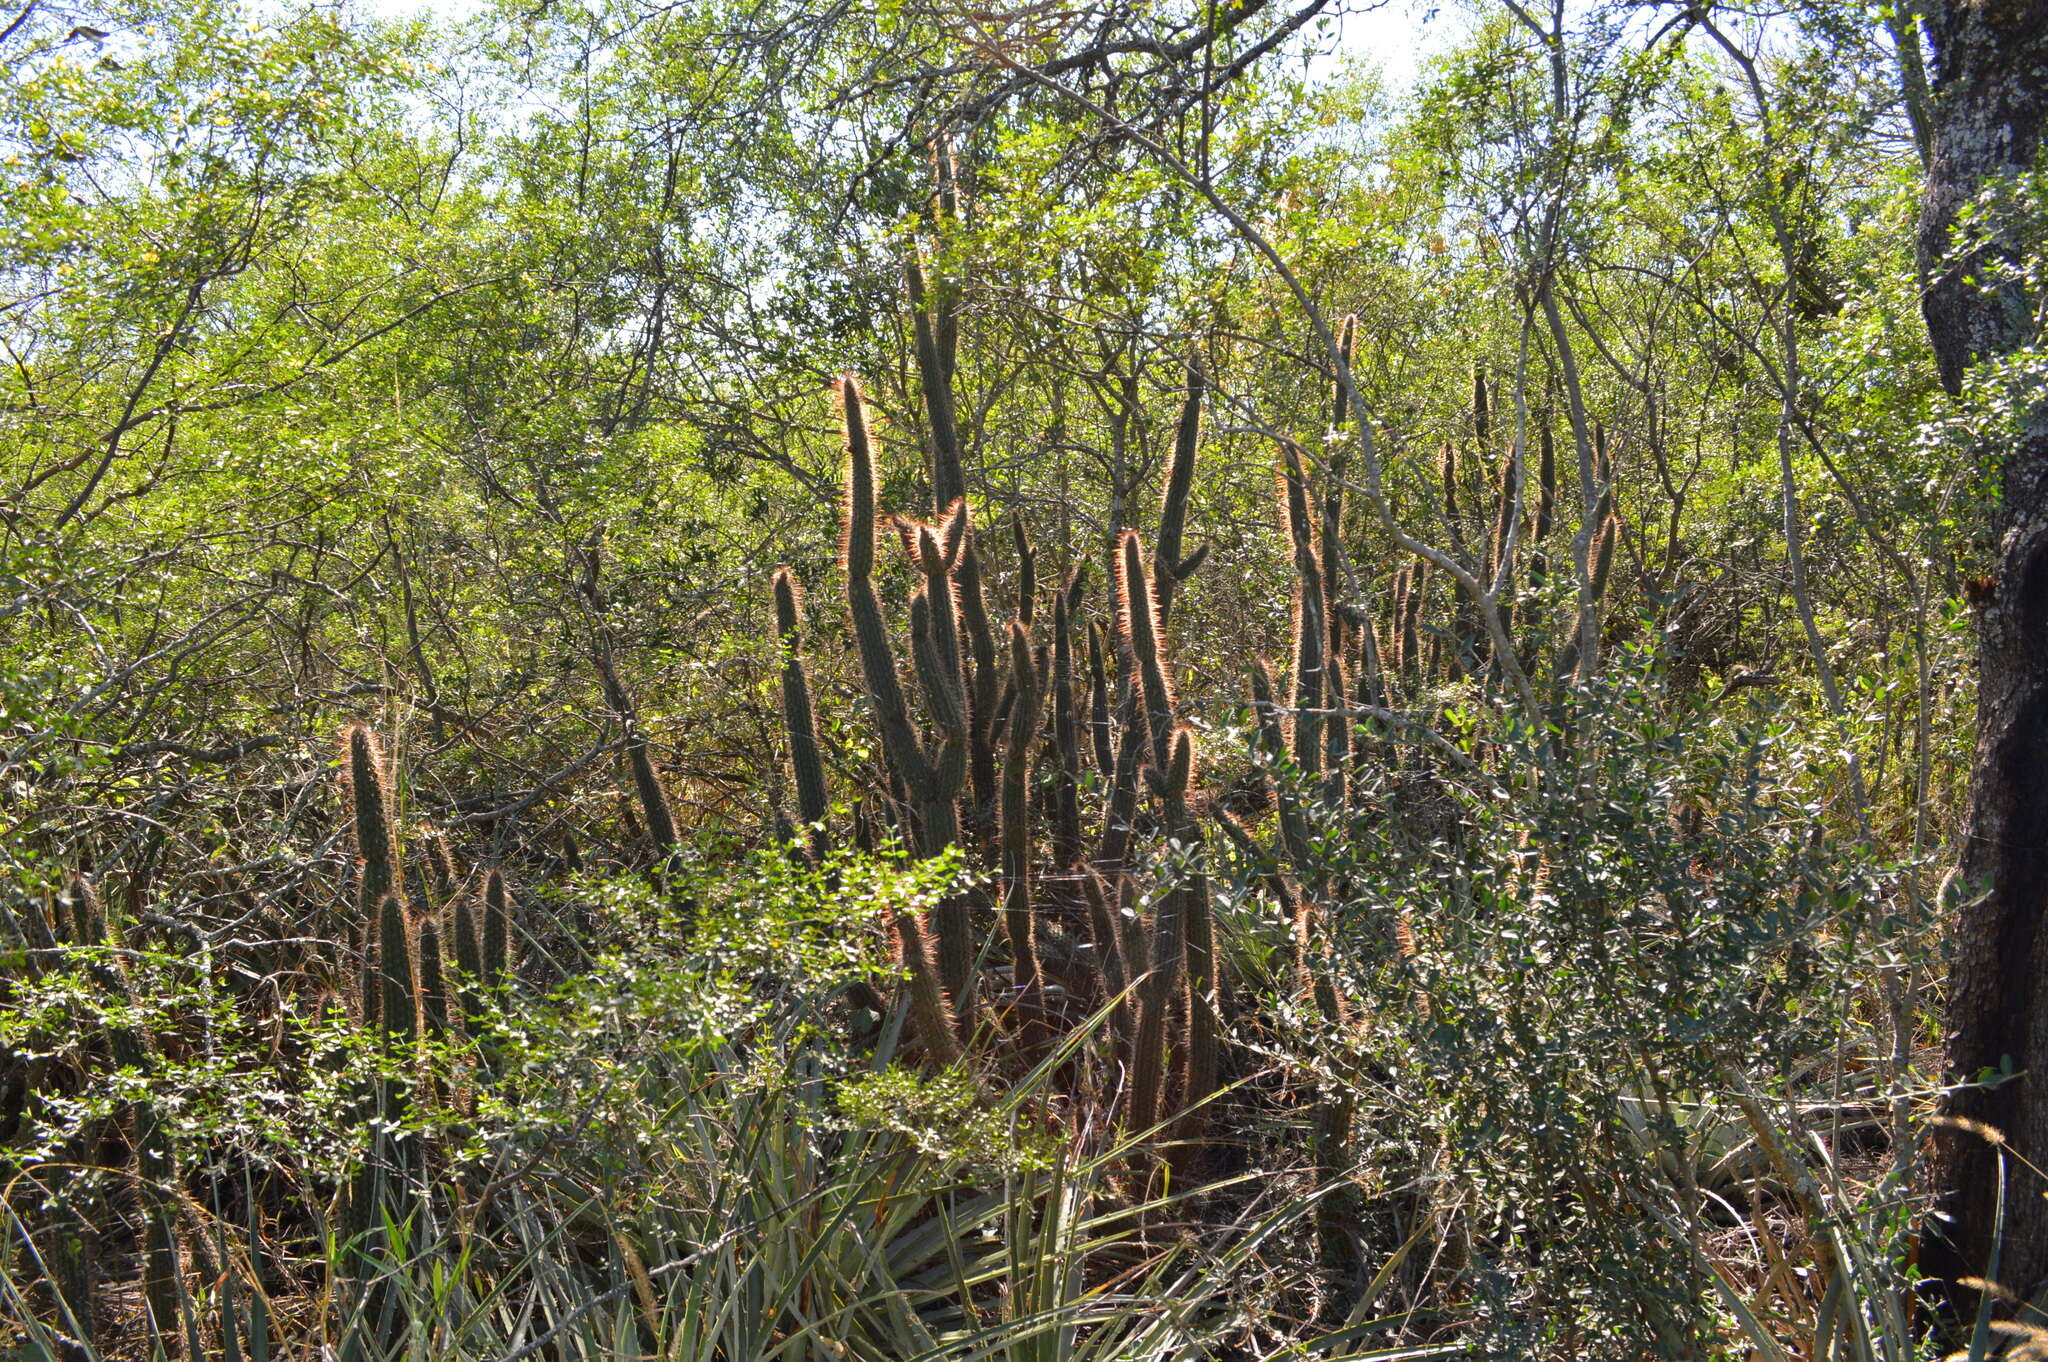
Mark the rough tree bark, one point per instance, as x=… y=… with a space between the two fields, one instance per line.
x=1990 y=95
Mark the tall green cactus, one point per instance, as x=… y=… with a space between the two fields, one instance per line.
x=1200 y=1054
x=1337 y=729
x=934 y=338
x=1169 y=567
x=1331 y=510
x=1065 y=728
x=1507 y=515
x=1411 y=617
x=1603 y=555
x=932 y=779
x=1310 y=637
x=1027 y=572
x=1107 y=940
x=1454 y=520
x=1138 y=607
x=935 y=328
x=367 y=784
x=1027 y=671
x=398 y=1012
x=389 y=1185
x=654 y=805
x=469 y=960
x=433 y=975
x=157 y=1177
x=496 y=957
x=930 y=1016
x=1101 y=731
x=442 y=877
x=1160 y=992
x=797 y=713
x=1397 y=612
x=1482 y=410
x=1572 y=661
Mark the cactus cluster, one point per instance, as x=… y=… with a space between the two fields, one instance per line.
x=400 y=989
x=1047 y=721
x=1049 y=747
x=405 y=998
x=991 y=750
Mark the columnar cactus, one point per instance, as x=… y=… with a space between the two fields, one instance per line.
x=1140 y=619
x=368 y=787
x=433 y=981
x=496 y=957
x=1572 y=660
x=1027 y=572
x=1169 y=567
x=469 y=960
x=797 y=714
x=1065 y=727
x=1603 y=555
x=1027 y=670
x=1332 y=508
x=1397 y=611
x=1159 y=993
x=1107 y=939
x=930 y=1015
x=1337 y=730
x=935 y=326
x=442 y=877
x=932 y=778
x=654 y=806
x=1507 y=514
x=1454 y=521
x=1309 y=628
x=1411 y=617
x=1101 y=731
x=398 y=1012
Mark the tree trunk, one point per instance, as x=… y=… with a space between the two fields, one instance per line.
x=1990 y=97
